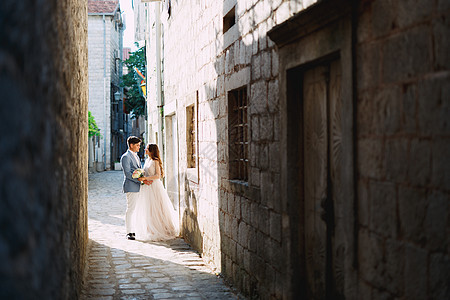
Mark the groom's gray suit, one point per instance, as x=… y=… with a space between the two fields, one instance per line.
x=129 y=164
x=131 y=186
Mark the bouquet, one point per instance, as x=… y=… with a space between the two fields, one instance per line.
x=137 y=174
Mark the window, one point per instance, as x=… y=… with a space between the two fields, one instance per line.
x=191 y=136
x=229 y=20
x=238 y=134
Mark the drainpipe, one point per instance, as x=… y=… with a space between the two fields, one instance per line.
x=104 y=91
x=158 y=78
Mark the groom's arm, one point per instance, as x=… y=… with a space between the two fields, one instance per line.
x=128 y=170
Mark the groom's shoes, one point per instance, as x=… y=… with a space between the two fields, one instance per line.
x=131 y=236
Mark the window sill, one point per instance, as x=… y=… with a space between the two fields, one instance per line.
x=242 y=188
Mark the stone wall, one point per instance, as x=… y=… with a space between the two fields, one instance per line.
x=403 y=134
x=43 y=145
x=397 y=243
x=236 y=226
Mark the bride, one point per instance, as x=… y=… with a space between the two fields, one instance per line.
x=155 y=217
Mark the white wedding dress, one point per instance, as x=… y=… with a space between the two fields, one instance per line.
x=155 y=217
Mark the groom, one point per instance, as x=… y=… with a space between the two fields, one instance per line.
x=130 y=161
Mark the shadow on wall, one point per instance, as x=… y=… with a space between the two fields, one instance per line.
x=189 y=224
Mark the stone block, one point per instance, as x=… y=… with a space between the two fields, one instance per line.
x=266 y=127
x=237 y=207
x=247 y=260
x=242 y=52
x=252 y=240
x=254 y=179
x=419 y=171
x=282 y=13
x=269 y=278
x=254 y=129
x=443 y=5
x=370 y=257
x=255 y=42
x=441 y=41
x=408 y=120
x=245 y=210
x=407 y=55
x=273 y=96
x=437 y=216
x=439 y=276
x=261 y=239
x=413 y=11
x=266 y=188
x=254 y=214
x=275 y=226
x=278 y=122
x=233 y=250
x=275 y=4
x=257 y=266
x=397 y=159
x=263 y=219
x=243 y=234
x=364 y=29
x=384 y=15
x=231 y=204
x=229 y=60
x=248 y=42
x=274 y=202
x=383 y=216
x=264 y=157
x=262 y=37
x=258 y=97
x=371 y=160
x=234 y=229
x=266 y=64
x=394 y=264
x=276 y=257
x=434 y=106
x=440 y=172
x=256 y=67
x=261 y=11
x=368 y=67
x=274 y=157
x=412 y=204
x=415 y=273
x=239 y=255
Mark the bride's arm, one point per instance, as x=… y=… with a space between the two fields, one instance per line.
x=158 y=172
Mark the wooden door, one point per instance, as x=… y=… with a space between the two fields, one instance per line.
x=321 y=150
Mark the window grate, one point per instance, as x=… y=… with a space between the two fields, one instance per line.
x=238 y=134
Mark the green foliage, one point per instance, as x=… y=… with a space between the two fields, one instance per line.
x=135 y=103
x=93 y=128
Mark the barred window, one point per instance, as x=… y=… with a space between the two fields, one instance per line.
x=191 y=136
x=238 y=134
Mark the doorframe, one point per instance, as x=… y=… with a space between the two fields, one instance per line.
x=320 y=32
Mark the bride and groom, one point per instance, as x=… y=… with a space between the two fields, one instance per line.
x=150 y=214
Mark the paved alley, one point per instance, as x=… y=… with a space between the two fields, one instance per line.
x=123 y=269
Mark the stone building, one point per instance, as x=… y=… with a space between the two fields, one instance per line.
x=43 y=146
x=306 y=142
x=105 y=36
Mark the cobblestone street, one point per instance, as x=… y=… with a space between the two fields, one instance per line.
x=123 y=269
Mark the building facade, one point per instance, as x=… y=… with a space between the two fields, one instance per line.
x=305 y=142
x=105 y=36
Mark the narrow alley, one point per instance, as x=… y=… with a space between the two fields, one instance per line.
x=122 y=269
